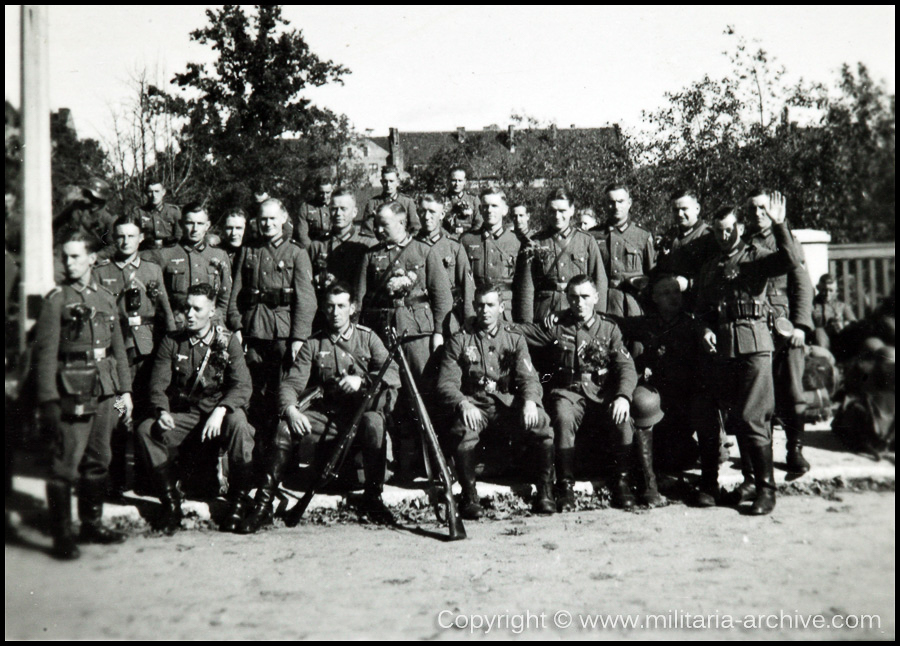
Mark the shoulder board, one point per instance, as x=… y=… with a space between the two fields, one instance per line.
x=364 y=328
x=318 y=335
x=103 y=263
x=54 y=292
x=224 y=332
x=510 y=328
x=297 y=242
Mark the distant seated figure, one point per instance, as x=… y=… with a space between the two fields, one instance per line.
x=830 y=315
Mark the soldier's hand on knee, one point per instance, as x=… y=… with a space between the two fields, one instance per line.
x=350 y=384
x=709 y=337
x=530 y=414
x=298 y=422
x=127 y=407
x=165 y=421
x=620 y=409
x=683 y=283
x=296 y=346
x=213 y=426
x=473 y=417
x=437 y=340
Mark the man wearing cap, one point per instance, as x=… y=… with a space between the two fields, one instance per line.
x=160 y=221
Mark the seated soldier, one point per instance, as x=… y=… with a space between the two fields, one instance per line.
x=829 y=314
x=200 y=384
x=487 y=381
x=343 y=359
x=593 y=379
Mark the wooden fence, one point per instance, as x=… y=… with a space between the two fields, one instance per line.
x=865 y=273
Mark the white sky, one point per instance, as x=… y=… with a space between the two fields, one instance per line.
x=436 y=68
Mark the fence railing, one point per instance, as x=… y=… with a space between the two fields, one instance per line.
x=865 y=273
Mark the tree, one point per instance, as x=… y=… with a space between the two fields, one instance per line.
x=245 y=115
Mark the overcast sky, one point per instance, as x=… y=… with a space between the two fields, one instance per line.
x=436 y=68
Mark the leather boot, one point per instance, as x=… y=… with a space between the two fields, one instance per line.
x=565 y=485
x=90 y=511
x=764 y=470
x=471 y=508
x=374 y=462
x=171 y=498
x=796 y=463
x=649 y=494
x=707 y=494
x=59 y=503
x=543 y=498
x=620 y=491
x=263 y=506
x=238 y=497
x=746 y=491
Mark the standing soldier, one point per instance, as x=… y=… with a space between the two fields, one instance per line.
x=688 y=245
x=452 y=256
x=160 y=222
x=234 y=229
x=200 y=384
x=790 y=299
x=90 y=215
x=144 y=315
x=460 y=207
x=390 y=185
x=628 y=253
x=81 y=367
x=193 y=262
x=343 y=359
x=522 y=223
x=555 y=257
x=337 y=257
x=272 y=304
x=493 y=251
x=731 y=299
x=488 y=383
x=314 y=219
x=593 y=381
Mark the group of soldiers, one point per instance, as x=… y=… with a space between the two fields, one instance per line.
x=547 y=341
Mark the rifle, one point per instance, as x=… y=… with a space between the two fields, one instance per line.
x=439 y=494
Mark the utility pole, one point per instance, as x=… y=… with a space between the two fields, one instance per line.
x=37 y=218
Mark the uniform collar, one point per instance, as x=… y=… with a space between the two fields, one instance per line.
x=406 y=241
x=433 y=238
x=493 y=233
x=346 y=336
x=277 y=242
x=737 y=249
x=158 y=208
x=565 y=233
x=587 y=325
x=199 y=247
x=620 y=229
x=490 y=332
x=349 y=233
x=81 y=288
x=136 y=261
x=206 y=339
x=684 y=234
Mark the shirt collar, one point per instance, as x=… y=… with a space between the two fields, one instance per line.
x=136 y=261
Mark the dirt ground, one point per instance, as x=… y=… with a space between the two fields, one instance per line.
x=699 y=571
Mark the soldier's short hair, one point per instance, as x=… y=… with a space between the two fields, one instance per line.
x=337 y=288
x=488 y=288
x=202 y=289
x=396 y=209
x=827 y=279
x=192 y=207
x=128 y=218
x=578 y=281
x=234 y=212
x=429 y=197
x=457 y=169
x=519 y=203
x=388 y=169
x=588 y=210
x=324 y=180
x=685 y=191
x=91 y=244
x=617 y=186
x=494 y=190
x=343 y=191
x=153 y=181
x=560 y=193
x=724 y=211
x=273 y=201
x=760 y=190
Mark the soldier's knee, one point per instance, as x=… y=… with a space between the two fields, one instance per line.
x=283 y=438
x=372 y=429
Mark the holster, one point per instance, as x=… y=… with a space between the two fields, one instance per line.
x=78 y=386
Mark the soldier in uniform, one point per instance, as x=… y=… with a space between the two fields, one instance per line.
x=272 y=305
x=338 y=256
x=628 y=253
x=144 y=314
x=686 y=246
x=493 y=251
x=452 y=256
x=90 y=215
x=731 y=300
x=461 y=212
x=160 y=222
x=489 y=385
x=557 y=255
x=593 y=378
x=80 y=368
x=522 y=223
x=390 y=184
x=234 y=229
x=830 y=315
x=790 y=297
x=192 y=262
x=585 y=219
x=314 y=219
x=200 y=384
x=343 y=359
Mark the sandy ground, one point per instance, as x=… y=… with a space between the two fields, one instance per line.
x=831 y=556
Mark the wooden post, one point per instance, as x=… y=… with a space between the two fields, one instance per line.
x=37 y=218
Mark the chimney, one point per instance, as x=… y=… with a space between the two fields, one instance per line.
x=552 y=132
x=460 y=134
x=395 y=152
x=511 y=138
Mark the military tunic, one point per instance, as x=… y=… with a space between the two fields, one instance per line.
x=493 y=258
x=627 y=253
x=731 y=299
x=160 y=224
x=313 y=222
x=81 y=365
x=184 y=265
x=492 y=370
x=456 y=264
x=553 y=259
x=683 y=253
x=462 y=213
x=367 y=220
x=829 y=318
x=338 y=257
x=194 y=374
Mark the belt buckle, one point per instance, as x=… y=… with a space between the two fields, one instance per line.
x=134 y=321
x=79 y=410
x=99 y=353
